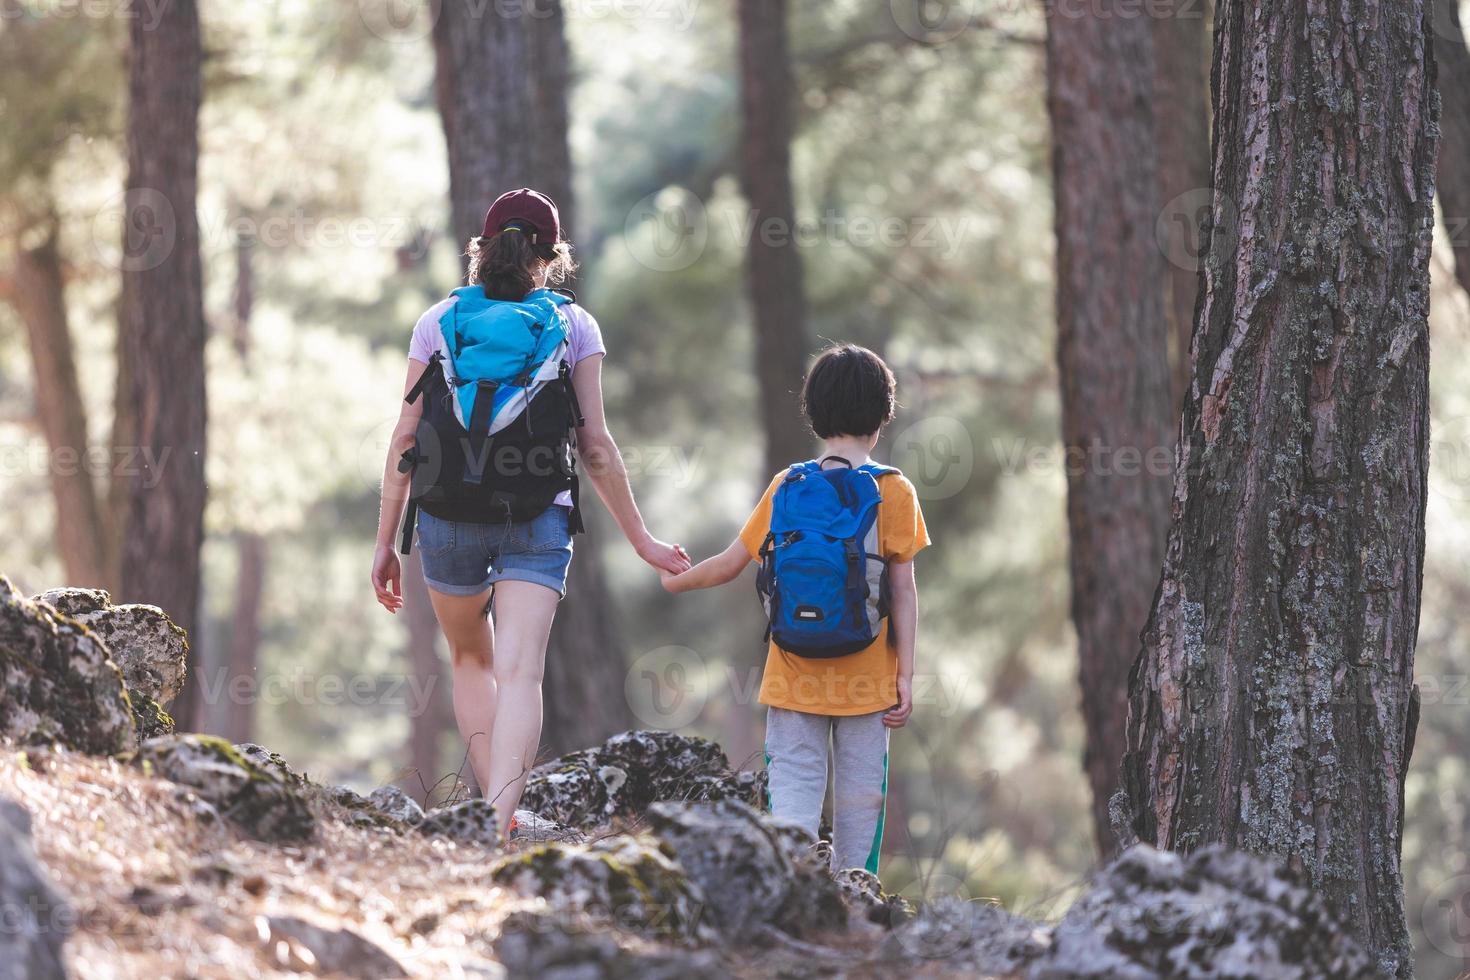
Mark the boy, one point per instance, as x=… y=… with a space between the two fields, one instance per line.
x=830 y=693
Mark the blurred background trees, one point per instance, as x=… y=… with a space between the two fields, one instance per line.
x=920 y=178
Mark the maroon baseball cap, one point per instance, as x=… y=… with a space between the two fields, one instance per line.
x=531 y=209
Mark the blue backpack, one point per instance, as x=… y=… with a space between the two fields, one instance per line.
x=822 y=581
x=494 y=443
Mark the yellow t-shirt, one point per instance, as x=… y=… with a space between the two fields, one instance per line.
x=862 y=682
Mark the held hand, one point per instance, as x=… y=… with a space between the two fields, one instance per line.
x=387 y=578
x=669 y=580
x=898 y=715
x=671 y=558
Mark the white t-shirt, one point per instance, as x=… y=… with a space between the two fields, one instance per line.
x=584 y=339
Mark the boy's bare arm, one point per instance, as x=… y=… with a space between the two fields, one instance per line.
x=722 y=568
x=904 y=608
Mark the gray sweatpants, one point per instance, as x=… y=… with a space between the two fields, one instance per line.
x=796 y=760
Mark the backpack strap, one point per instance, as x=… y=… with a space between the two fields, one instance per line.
x=423 y=381
x=410 y=518
x=841 y=459
x=479 y=428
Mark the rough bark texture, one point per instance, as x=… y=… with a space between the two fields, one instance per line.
x=1271 y=703
x=773 y=260
x=162 y=328
x=1112 y=355
x=1453 y=183
x=38 y=293
x=1182 y=130
x=502 y=88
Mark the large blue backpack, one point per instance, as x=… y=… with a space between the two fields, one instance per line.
x=494 y=443
x=822 y=579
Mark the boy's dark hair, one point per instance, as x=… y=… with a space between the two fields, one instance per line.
x=848 y=392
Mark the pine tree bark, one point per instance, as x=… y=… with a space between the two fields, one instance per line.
x=236 y=717
x=773 y=260
x=1453 y=182
x=38 y=294
x=501 y=83
x=162 y=327
x=1112 y=356
x=1272 y=702
x=1182 y=119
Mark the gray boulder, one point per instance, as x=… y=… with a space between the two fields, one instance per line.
x=1213 y=913
x=554 y=947
x=624 y=882
x=37 y=920
x=753 y=870
x=395 y=804
x=630 y=771
x=151 y=651
x=469 y=822
x=57 y=681
x=259 y=801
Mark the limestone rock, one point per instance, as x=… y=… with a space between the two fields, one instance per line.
x=151 y=651
x=271 y=762
x=57 y=681
x=752 y=871
x=1214 y=913
x=395 y=804
x=470 y=822
x=259 y=801
x=621 y=777
x=37 y=919
x=624 y=881
x=550 y=947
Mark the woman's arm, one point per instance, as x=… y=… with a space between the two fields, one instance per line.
x=386 y=575
x=722 y=568
x=603 y=464
x=904 y=608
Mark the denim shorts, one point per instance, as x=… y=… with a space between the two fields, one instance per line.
x=464 y=558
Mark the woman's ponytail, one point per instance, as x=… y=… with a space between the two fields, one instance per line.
x=506 y=264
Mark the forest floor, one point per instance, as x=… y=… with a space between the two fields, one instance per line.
x=154 y=891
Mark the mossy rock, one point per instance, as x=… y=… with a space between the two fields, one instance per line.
x=754 y=871
x=624 y=881
x=258 y=801
x=629 y=772
x=149 y=648
x=58 y=683
x=149 y=718
x=555 y=946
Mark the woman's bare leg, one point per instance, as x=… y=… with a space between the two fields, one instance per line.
x=523 y=614
x=472 y=649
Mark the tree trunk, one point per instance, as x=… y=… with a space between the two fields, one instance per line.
x=1270 y=707
x=38 y=293
x=162 y=326
x=502 y=92
x=236 y=718
x=1112 y=356
x=1182 y=119
x=1453 y=186
x=773 y=262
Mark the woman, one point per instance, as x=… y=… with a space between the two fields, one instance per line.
x=523 y=560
